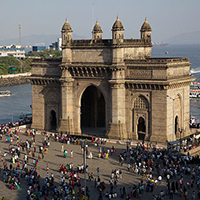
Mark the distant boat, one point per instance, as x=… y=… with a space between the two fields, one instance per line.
x=192 y=71
x=166 y=52
x=195 y=90
x=5 y=93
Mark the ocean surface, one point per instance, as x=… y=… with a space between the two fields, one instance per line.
x=189 y=51
x=20 y=100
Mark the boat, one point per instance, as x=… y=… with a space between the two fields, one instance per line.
x=5 y=93
x=25 y=118
x=193 y=71
x=195 y=90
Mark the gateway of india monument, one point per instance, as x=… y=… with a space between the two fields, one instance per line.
x=112 y=86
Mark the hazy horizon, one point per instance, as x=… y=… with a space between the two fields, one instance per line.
x=167 y=18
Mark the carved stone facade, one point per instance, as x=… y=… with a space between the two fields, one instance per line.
x=113 y=85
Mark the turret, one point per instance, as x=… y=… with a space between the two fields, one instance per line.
x=97 y=32
x=117 y=32
x=146 y=31
x=66 y=42
x=66 y=33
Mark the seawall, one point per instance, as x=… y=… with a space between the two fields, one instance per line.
x=14 y=79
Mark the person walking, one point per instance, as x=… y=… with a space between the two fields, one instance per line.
x=98 y=171
x=62 y=148
x=72 y=154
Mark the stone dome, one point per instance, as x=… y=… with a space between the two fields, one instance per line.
x=97 y=28
x=146 y=26
x=117 y=26
x=67 y=26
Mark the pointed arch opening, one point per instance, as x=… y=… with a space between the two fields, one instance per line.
x=92 y=110
x=176 y=125
x=53 y=120
x=141 y=128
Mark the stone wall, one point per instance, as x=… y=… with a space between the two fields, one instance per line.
x=13 y=81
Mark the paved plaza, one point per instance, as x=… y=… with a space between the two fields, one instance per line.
x=54 y=158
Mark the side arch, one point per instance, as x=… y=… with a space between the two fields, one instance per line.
x=140 y=118
x=178 y=115
x=52 y=114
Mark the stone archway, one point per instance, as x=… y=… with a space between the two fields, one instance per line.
x=93 y=113
x=176 y=126
x=141 y=129
x=140 y=118
x=53 y=120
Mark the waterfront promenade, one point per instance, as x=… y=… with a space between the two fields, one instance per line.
x=54 y=158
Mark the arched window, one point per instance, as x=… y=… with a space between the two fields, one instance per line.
x=141 y=102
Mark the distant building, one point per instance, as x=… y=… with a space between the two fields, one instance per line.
x=16 y=51
x=56 y=45
x=38 y=48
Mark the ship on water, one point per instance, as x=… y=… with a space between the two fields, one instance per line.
x=195 y=90
x=5 y=93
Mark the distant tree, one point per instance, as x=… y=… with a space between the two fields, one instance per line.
x=11 y=64
x=47 y=53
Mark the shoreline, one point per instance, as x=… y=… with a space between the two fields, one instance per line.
x=14 y=79
x=194 y=99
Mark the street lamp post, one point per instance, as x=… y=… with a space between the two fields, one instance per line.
x=84 y=163
x=180 y=131
x=173 y=114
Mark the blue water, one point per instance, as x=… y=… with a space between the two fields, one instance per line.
x=20 y=101
x=187 y=51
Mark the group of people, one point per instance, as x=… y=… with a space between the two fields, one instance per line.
x=178 y=174
x=156 y=166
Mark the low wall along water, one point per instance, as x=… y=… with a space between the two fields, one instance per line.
x=14 y=79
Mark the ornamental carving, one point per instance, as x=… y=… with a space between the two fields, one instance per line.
x=138 y=73
x=141 y=102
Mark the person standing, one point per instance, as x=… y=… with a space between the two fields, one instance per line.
x=62 y=148
x=72 y=154
x=98 y=171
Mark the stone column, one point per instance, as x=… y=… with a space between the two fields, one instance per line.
x=67 y=112
x=38 y=109
x=117 y=125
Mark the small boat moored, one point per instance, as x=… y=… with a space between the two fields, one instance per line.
x=5 y=93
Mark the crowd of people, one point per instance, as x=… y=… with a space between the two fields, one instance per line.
x=178 y=175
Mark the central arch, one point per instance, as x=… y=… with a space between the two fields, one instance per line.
x=92 y=110
x=141 y=128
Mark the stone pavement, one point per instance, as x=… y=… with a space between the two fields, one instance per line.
x=55 y=157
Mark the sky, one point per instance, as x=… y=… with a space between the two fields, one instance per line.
x=167 y=18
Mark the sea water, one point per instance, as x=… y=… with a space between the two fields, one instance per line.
x=20 y=100
x=189 y=51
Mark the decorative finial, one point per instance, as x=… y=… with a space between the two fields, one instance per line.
x=117 y=17
x=97 y=22
x=145 y=19
x=66 y=20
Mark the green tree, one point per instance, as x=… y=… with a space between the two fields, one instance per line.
x=11 y=64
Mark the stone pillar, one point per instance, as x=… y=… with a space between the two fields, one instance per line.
x=67 y=112
x=118 y=125
x=38 y=109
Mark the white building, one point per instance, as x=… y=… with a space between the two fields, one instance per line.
x=16 y=51
x=56 y=45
